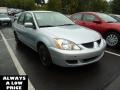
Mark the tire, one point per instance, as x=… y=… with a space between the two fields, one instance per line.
x=44 y=55
x=17 y=39
x=113 y=39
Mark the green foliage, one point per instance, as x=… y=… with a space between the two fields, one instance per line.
x=72 y=6
x=43 y=7
x=22 y=4
x=94 y=5
x=64 y=6
x=99 y=5
x=115 y=5
x=3 y=3
x=55 y=5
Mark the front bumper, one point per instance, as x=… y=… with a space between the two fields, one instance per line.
x=5 y=21
x=75 y=58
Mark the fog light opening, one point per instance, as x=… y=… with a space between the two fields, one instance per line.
x=72 y=61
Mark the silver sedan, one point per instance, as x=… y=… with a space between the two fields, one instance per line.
x=4 y=19
x=58 y=40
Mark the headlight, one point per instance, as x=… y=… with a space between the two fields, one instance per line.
x=66 y=44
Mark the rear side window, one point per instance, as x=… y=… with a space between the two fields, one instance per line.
x=77 y=17
x=21 y=19
x=89 y=18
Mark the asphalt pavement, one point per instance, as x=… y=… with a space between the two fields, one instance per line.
x=99 y=76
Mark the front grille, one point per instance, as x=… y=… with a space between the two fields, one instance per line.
x=88 y=45
x=91 y=44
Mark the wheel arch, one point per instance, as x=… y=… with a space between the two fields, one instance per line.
x=45 y=40
x=110 y=30
x=115 y=32
x=40 y=43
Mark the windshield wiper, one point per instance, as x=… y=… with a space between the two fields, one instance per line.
x=47 y=26
x=66 y=24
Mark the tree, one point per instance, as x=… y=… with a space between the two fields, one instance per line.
x=115 y=5
x=40 y=1
x=94 y=5
x=21 y=4
x=55 y=5
x=99 y=5
x=28 y=4
x=71 y=7
x=3 y=3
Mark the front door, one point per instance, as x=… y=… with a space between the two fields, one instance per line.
x=30 y=32
x=88 y=21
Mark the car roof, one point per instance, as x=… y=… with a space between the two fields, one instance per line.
x=114 y=15
x=92 y=12
x=38 y=11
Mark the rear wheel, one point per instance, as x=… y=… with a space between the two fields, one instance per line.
x=113 y=39
x=44 y=55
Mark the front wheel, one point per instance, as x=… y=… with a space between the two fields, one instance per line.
x=44 y=56
x=113 y=39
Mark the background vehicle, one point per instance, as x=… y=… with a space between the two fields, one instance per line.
x=16 y=16
x=103 y=23
x=57 y=40
x=3 y=10
x=117 y=17
x=4 y=19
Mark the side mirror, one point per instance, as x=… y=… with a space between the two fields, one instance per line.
x=97 y=21
x=29 y=25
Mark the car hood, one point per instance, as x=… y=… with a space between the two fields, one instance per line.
x=75 y=33
x=4 y=18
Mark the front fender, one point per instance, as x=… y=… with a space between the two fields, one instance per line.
x=47 y=40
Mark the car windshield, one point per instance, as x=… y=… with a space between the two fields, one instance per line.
x=51 y=19
x=106 y=18
x=3 y=16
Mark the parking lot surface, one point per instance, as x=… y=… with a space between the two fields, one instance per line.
x=91 y=77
